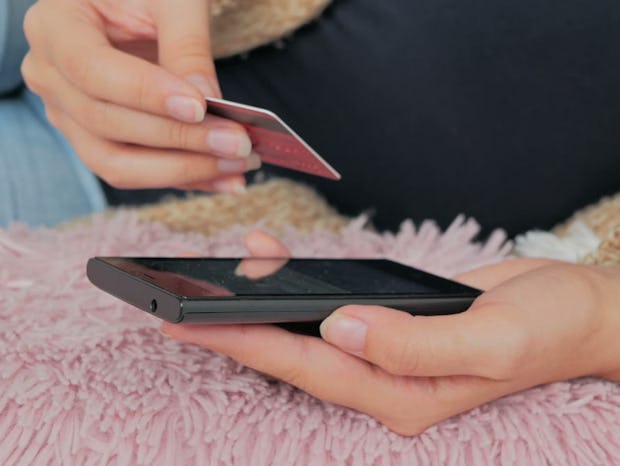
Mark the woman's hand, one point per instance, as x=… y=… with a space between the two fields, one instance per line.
x=538 y=322
x=125 y=81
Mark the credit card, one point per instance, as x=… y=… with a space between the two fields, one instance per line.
x=272 y=139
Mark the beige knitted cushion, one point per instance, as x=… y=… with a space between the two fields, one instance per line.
x=240 y=25
x=279 y=204
x=604 y=219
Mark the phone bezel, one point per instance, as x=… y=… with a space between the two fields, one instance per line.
x=140 y=291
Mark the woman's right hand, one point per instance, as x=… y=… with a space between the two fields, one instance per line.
x=537 y=322
x=125 y=82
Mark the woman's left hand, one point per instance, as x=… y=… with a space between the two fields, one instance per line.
x=538 y=322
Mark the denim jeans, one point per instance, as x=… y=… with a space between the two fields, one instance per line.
x=42 y=181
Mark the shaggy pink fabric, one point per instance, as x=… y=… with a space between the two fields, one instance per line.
x=87 y=380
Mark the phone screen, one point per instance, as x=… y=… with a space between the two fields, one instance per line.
x=211 y=277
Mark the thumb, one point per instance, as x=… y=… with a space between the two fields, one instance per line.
x=403 y=344
x=184 y=43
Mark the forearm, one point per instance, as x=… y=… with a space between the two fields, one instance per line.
x=609 y=354
x=13 y=45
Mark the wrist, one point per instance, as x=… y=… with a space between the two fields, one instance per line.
x=606 y=356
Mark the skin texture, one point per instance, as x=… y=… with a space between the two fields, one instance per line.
x=125 y=82
x=538 y=322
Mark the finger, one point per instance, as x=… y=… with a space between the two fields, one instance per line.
x=403 y=344
x=216 y=136
x=127 y=166
x=87 y=60
x=255 y=269
x=487 y=277
x=262 y=244
x=305 y=362
x=225 y=185
x=185 y=44
x=407 y=405
x=30 y=75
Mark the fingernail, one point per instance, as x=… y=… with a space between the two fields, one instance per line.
x=229 y=186
x=185 y=109
x=238 y=165
x=163 y=331
x=345 y=332
x=204 y=84
x=239 y=270
x=229 y=142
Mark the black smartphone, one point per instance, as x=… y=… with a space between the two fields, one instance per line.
x=249 y=290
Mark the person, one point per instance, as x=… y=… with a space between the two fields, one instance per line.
x=505 y=112
x=538 y=321
x=43 y=182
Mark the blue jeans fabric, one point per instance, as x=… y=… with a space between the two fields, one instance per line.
x=42 y=181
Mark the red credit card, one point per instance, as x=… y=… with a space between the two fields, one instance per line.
x=272 y=139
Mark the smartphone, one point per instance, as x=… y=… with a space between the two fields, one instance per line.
x=249 y=290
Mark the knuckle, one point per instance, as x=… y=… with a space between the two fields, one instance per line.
x=187 y=170
x=53 y=116
x=95 y=116
x=179 y=134
x=28 y=73
x=404 y=418
x=114 y=178
x=107 y=168
x=191 y=168
x=406 y=428
x=88 y=155
x=32 y=24
x=142 y=89
x=77 y=68
x=195 y=51
x=401 y=357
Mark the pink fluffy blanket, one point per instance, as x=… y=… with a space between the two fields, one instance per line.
x=87 y=380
